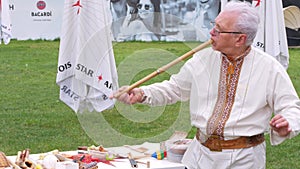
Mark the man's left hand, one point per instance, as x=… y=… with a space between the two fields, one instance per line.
x=280 y=125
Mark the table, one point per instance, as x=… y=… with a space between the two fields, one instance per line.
x=125 y=163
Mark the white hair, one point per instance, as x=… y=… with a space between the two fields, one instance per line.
x=247 y=20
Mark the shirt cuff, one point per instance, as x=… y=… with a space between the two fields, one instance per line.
x=145 y=96
x=276 y=139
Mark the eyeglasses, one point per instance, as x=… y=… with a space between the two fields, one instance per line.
x=146 y=6
x=217 y=32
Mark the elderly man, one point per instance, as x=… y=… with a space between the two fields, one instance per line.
x=233 y=90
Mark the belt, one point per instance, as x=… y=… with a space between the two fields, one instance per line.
x=215 y=143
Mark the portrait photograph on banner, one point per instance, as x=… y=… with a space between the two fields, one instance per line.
x=154 y=20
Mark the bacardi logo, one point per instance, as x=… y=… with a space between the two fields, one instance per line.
x=41 y=14
x=41 y=5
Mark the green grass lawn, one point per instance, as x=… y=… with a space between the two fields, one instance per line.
x=32 y=116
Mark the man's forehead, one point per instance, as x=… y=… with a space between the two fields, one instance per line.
x=225 y=18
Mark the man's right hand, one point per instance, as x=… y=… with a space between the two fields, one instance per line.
x=131 y=97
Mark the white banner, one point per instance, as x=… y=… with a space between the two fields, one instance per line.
x=5 y=22
x=35 y=19
x=87 y=72
x=271 y=35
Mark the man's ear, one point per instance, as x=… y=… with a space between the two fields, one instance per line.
x=241 y=40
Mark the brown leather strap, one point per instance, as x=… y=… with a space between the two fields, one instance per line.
x=214 y=143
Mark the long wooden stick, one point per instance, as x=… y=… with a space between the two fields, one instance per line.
x=164 y=68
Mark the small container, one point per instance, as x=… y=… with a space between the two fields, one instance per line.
x=176 y=149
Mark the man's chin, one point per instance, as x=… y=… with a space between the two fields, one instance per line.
x=213 y=46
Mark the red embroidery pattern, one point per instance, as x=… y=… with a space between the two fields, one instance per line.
x=229 y=76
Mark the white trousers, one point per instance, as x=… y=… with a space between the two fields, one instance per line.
x=198 y=156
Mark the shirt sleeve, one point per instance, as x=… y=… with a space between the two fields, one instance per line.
x=286 y=102
x=177 y=88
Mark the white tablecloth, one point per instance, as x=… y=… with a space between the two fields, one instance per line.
x=125 y=163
